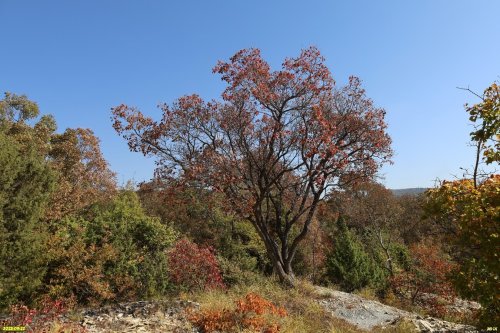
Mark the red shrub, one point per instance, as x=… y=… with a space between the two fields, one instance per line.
x=43 y=318
x=252 y=312
x=192 y=267
x=428 y=279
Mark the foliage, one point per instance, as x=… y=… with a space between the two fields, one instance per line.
x=192 y=267
x=17 y=108
x=413 y=226
x=84 y=176
x=310 y=259
x=26 y=182
x=250 y=313
x=349 y=265
x=190 y=210
x=199 y=215
x=45 y=318
x=74 y=156
x=241 y=254
x=475 y=212
x=427 y=273
x=76 y=267
x=141 y=243
x=487 y=117
x=116 y=253
x=274 y=146
x=374 y=213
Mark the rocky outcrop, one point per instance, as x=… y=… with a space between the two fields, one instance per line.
x=368 y=315
x=170 y=316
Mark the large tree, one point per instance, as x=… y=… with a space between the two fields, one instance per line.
x=275 y=145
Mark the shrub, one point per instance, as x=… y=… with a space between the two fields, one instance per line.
x=428 y=272
x=192 y=267
x=76 y=268
x=45 y=318
x=474 y=215
x=252 y=312
x=349 y=265
x=115 y=252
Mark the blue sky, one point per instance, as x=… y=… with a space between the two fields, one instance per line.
x=79 y=59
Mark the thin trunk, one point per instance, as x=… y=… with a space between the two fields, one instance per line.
x=476 y=164
x=387 y=254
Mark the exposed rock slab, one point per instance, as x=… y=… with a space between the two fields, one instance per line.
x=367 y=314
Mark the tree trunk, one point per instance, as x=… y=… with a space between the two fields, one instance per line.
x=282 y=268
x=285 y=274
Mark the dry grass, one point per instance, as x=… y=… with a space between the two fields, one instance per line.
x=304 y=313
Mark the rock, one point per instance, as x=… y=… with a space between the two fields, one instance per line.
x=140 y=316
x=367 y=314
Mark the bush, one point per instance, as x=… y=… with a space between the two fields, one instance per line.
x=192 y=267
x=428 y=272
x=474 y=214
x=76 y=266
x=349 y=265
x=252 y=312
x=116 y=252
x=45 y=318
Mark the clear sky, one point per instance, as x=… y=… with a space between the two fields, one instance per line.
x=78 y=59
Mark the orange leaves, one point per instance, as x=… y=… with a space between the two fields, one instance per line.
x=276 y=138
x=429 y=273
x=84 y=174
x=252 y=312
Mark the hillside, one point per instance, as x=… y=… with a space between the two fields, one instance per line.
x=408 y=191
x=342 y=312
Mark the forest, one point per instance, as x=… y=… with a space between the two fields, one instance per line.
x=257 y=198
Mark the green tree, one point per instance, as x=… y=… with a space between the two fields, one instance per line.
x=140 y=241
x=349 y=265
x=26 y=182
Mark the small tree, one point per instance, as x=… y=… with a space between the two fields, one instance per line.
x=26 y=182
x=349 y=265
x=274 y=146
x=374 y=211
x=471 y=208
x=476 y=215
x=486 y=135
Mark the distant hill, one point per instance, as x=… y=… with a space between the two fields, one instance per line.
x=409 y=191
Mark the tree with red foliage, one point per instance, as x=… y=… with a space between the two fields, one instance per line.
x=275 y=145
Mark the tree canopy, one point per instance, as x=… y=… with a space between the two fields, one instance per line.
x=275 y=144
